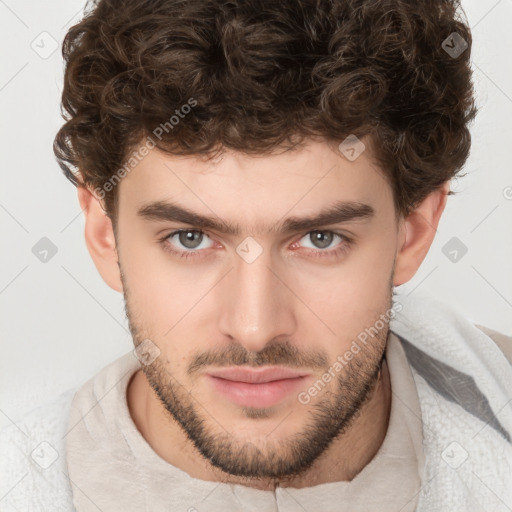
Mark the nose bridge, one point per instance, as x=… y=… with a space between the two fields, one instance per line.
x=256 y=306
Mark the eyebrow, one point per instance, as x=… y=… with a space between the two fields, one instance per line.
x=340 y=212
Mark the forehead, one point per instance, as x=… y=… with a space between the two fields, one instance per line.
x=243 y=186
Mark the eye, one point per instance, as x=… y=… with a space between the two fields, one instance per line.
x=322 y=239
x=186 y=240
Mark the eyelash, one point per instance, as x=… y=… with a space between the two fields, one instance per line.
x=345 y=244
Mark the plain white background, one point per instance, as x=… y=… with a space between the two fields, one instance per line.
x=60 y=323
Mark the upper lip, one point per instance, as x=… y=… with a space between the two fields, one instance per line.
x=257 y=376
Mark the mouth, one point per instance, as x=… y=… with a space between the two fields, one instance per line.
x=262 y=387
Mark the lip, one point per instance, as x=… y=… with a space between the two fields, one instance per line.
x=262 y=387
x=257 y=375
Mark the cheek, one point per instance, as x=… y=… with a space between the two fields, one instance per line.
x=152 y=296
x=167 y=302
x=350 y=296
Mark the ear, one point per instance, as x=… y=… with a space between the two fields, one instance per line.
x=417 y=233
x=99 y=237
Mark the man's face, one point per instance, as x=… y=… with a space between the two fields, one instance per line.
x=209 y=299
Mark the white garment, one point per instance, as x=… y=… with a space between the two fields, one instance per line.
x=469 y=460
x=33 y=464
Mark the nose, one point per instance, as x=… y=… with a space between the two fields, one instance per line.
x=256 y=306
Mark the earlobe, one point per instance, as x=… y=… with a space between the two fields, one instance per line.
x=100 y=239
x=416 y=234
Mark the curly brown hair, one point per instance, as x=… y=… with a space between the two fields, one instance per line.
x=266 y=74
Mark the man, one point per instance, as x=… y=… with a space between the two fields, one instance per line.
x=256 y=178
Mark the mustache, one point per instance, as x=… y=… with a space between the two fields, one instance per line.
x=283 y=353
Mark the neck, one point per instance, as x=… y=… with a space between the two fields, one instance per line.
x=342 y=461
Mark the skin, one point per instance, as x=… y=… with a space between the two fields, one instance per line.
x=287 y=307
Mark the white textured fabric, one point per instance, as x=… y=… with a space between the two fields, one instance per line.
x=33 y=469
x=469 y=464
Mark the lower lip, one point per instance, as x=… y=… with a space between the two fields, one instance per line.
x=265 y=394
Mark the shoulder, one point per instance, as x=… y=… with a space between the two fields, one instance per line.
x=33 y=473
x=503 y=341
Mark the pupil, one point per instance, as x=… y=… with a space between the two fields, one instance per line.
x=322 y=237
x=189 y=239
